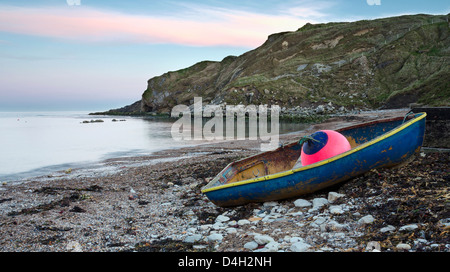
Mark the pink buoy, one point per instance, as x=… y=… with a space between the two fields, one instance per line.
x=326 y=144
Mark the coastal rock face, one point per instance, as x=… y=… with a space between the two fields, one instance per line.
x=388 y=63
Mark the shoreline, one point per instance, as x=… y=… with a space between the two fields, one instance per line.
x=153 y=203
x=57 y=171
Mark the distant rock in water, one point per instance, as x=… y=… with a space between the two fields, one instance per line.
x=92 y=121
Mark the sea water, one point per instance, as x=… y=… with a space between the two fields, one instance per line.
x=39 y=143
x=34 y=143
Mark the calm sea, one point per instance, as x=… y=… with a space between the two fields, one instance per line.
x=38 y=143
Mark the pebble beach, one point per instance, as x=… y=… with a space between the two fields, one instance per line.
x=154 y=204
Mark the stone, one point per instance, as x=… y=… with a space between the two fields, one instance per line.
x=251 y=245
x=301 y=67
x=74 y=246
x=319 y=68
x=320 y=109
x=302 y=203
x=420 y=241
x=243 y=222
x=387 y=229
x=199 y=247
x=336 y=210
x=335 y=226
x=300 y=247
x=272 y=246
x=402 y=246
x=270 y=204
x=205 y=227
x=254 y=219
x=294 y=240
x=373 y=246
x=215 y=237
x=278 y=210
x=333 y=196
x=193 y=238
x=368 y=219
x=218 y=226
x=191 y=230
x=410 y=227
x=319 y=203
x=319 y=221
x=296 y=214
x=444 y=223
x=434 y=246
x=268 y=219
x=222 y=218
x=231 y=230
x=263 y=239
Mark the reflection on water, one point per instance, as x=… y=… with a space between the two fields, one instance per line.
x=245 y=126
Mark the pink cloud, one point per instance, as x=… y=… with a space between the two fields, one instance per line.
x=222 y=26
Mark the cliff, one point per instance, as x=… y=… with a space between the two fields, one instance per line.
x=333 y=67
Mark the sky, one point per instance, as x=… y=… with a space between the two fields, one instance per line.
x=97 y=55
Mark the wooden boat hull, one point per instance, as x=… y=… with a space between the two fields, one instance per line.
x=378 y=144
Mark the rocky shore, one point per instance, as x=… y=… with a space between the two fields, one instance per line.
x=154 y=204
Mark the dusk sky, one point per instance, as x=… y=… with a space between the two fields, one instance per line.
x=98 y=54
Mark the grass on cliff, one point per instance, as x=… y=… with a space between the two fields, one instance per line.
x=372 y=63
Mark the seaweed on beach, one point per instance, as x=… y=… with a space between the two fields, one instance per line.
x=64 y=202
x=55 y=190
x=416 y=194
x=169 y=245
x=73 y=196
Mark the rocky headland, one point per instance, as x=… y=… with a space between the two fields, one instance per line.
x=332 y=68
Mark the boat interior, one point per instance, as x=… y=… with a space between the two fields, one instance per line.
x=284 y=158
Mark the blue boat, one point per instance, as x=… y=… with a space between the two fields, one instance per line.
x=270 y=175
